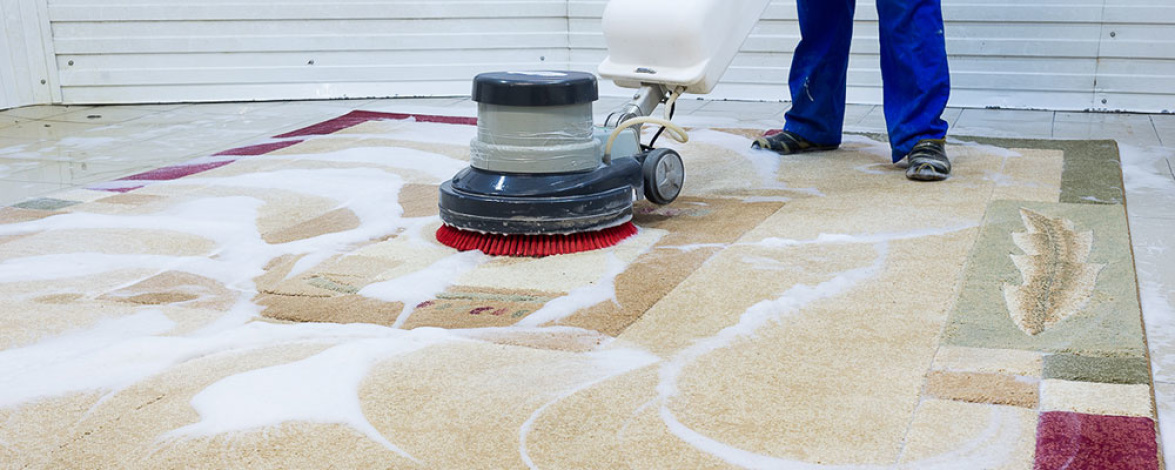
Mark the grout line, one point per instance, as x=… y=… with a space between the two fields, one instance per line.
x=860 y=119
x=691 y=112
x=1155 y=126
x=57 y=118
x=958 y=119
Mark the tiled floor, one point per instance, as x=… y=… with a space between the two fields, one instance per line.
x=47 y=149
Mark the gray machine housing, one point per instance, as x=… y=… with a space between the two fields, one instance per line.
x=538 y=164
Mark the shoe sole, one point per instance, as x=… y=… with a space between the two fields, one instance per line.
x=756 y=146
x=926 y=173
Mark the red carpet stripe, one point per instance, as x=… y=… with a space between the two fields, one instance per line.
x=259 y=149
x=359 y=117
x=1075 y=441
x=170 y=173
x=327 y=127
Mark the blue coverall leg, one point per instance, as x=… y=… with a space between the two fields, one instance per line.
x=913 y=68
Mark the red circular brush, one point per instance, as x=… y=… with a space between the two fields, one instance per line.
x=536 y=246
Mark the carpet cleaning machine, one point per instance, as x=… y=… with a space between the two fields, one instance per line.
x=543 y=179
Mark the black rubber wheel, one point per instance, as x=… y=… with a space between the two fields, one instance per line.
x=664 y=175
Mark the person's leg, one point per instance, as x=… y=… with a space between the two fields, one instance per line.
x=914 y=69
x=819 y=69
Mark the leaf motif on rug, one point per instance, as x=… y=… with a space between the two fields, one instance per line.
x=1058 y=280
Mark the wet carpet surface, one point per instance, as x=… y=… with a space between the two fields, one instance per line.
x=286 y=304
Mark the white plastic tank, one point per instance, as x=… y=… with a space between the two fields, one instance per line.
x=686 y=43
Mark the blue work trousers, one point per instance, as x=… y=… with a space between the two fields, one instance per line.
x=913 y=68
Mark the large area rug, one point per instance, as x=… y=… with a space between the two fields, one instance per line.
x=286 y=305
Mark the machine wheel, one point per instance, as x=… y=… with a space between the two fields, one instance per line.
x=664 y=175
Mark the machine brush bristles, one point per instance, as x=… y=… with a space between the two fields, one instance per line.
x=535 y=246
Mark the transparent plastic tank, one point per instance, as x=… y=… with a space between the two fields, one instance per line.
x=686 y=43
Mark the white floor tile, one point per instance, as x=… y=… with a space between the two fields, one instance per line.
x=345 y=104
x=1138 y=134
x=1012 y=129
x=183 y=125
x=1163 y=121
x=1166 y=136
x=15 y=191
x=159 y=153
x=725 y=121
x=74 y=173
x=46 y=130
x=230 y=108
x=608 y=104
x=1106 y=118
x=9 y=167
x=1154 y=256
x=462 y=107
x=131 y=131
x=13 y=145
x=8 y=121
x=105 y=114
x=852 y=118
x=94 y=143
x=743 y=110
x=41 y=112
x=1151 y=204
x=156 y=106
x=1165 y=396
x=952 y=115
x=451 y=107
x=689 y=104
x=868 y=126
x=266 y=134
x=1006 y=115
x=1150 y=188
x=873 y=117
x=51 y=150
x=873 y=121
x=182 y=116
x=379 y=105
x=299 y=111
x=858 y=111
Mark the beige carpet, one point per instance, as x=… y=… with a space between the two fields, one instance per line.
x=286 y=306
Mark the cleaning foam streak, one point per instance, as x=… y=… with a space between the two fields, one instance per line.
x=608 y=365
x=323 y=389
x=420 y=286
x=579 y=298
x=759 y=315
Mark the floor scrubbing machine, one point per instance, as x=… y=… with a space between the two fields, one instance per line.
x=543 y=178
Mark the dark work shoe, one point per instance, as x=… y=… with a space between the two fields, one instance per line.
x=928 y=161
x=787 y=143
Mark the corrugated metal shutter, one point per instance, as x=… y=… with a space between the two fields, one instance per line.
x=25 y=77
x=1136 y=70
x=217 y=50
x=1051 y=54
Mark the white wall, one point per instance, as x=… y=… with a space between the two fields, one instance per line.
x=1051 y=54
x=25 y=76
x=216 y=50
